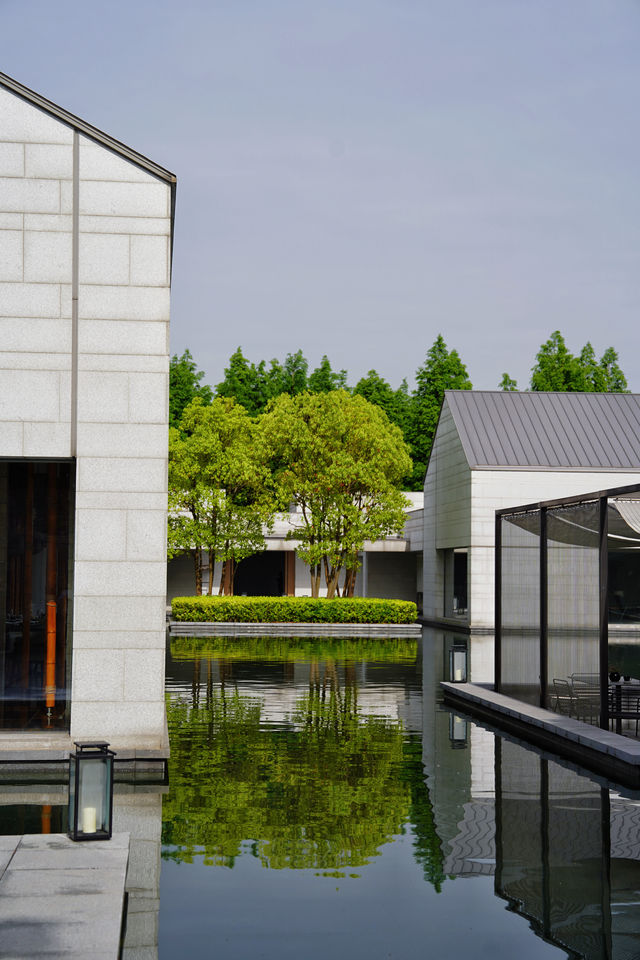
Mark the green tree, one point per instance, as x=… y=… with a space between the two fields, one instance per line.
x=340 y=461
x=184 y=386
x=615 y=380
x=246 y=383
x=442 y=370
x=557 y=369
x=324 y=378
x=217 y=483
x=508 y=384
x=293 y=375
x=395 y=403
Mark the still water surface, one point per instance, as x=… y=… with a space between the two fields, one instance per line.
x=324 y=802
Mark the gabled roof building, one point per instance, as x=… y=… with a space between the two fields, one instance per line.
x=85 y=262
x=494 y=450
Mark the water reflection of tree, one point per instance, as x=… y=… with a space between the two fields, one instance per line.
x=325 y=792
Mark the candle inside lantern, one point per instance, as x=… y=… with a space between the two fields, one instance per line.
x=458 y=676
x=89 y=820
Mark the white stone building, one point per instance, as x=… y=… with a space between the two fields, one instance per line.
x=500 y=449
x=390 y=568
x=85 y=264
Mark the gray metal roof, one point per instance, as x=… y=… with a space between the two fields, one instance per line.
x=570 y=431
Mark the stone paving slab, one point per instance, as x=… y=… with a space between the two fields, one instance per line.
x=61 y=899
x=612 y=746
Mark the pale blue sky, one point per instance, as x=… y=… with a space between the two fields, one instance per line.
x=356 y=176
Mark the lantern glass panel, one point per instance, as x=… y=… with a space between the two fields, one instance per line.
x=93 y=795
x=72 y=794
x=458 y=665
x=457 y=730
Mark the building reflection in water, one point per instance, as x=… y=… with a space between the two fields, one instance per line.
x=563 y=846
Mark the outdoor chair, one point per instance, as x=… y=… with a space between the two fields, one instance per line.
x=623 y=704
x=585 y=689
x=562 y=697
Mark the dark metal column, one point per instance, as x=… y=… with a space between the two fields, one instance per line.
x=544 y=610
x=604 y=613
x=497 y=644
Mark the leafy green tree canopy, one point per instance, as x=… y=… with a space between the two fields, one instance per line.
x=340 y=461
x=217 y=484
x=184 y=386
x=395 y=403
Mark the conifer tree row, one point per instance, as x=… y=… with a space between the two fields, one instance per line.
x=256 y=385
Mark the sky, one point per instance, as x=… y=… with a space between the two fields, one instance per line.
x=357 y=176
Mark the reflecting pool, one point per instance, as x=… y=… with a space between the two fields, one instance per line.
x=323 y=801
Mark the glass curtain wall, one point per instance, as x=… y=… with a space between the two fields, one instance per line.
x=573 y=605
x=520 y=606
x=36 y=537
x=624 y=586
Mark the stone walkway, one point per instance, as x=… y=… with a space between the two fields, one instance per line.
x=338 y=630
x=605 y=752
x=60 y=899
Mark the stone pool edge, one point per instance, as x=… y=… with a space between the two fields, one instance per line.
x=602 y=751
x=338 y=630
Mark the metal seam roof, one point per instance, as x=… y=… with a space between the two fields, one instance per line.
x=573 y=431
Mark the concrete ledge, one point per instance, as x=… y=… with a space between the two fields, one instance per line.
x=599 y=750
x=364 y=630
x=62 y=899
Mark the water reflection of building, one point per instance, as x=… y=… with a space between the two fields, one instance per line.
x=564 y=845
x=392 y=697
x=462 y=798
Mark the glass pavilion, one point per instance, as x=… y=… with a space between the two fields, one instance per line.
x=568 y=606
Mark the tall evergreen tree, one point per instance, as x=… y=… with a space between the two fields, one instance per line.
x=324 y=378
x=442 y=370
x=556 y=368
x=184 y=386
x=246 y=383
x=395 y=403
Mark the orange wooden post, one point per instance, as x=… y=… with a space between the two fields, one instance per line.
x=45 y=818
x=50 y=674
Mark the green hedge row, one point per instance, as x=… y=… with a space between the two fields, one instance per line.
x=292 y=610
x=289 y=649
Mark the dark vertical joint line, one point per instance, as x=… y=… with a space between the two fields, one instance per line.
x=544 y=610
x=604 y=613
x=605 y=821
x=497 y=669
x=75 y=248
x=545 y=846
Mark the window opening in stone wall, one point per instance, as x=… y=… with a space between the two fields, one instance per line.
x=36 y=537
x=456 y=583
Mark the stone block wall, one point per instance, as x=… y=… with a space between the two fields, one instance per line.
x=84 y=323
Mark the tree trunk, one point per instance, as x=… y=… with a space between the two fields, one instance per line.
x=332 y=577
x=226 y=577
x=315 y=573
x=210 y=570
x=197 y=562
x=350 y=582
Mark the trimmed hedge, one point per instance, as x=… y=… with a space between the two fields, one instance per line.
x=292 y=610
